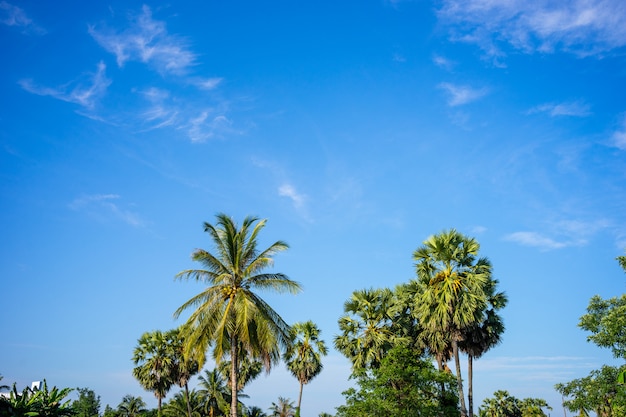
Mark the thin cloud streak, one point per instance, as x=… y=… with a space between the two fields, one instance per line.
x=85 y=94
x=578 y=26
x=461 y=94
x=619 y=136
x=571 y=233
x=146 y=40
x=14 y=16
x=102 y=205
x=568 y=108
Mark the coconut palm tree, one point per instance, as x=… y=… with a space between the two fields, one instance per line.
x=482 y=336
x=284 y=408
x=304 y=355
x=131 y=406
x=155 y=362
x=214 y=392
x=365 y=327
x=453 y=296
x=229 y=313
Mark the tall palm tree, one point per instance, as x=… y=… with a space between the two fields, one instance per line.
x=482 y=336
x=229 y=313
x=155 y=364
x=214 y=392
x=454 y=283
x=131 y=406
x=365 y=327
x=284 y=408
x=304 y=355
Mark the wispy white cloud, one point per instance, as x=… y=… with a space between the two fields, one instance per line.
x=84 y=92
x=208 y=83
x=289 y=191
x=461 y=94
x=561 y=234
x=103 y=206
x=582 y=27
x=535 y=239
x=443 y=62
x=146 y=40
x=568 y=108
x=14 y=16
x=205 y=126
x=619 y=136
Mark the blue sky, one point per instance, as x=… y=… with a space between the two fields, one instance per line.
x=357 y=128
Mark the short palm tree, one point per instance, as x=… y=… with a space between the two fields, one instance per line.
x=365 y=328
x=304 y=355
x=183 y=367
x=154 y=358
x=182 y=402
x=131 y=406
x=284 y=408
x=229 y=313
x=453 y=296
x=214 y=392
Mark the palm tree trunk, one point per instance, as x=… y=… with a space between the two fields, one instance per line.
x=299 y=400
x=470 y=388
x=187 y=395
x=159 y=406
x=459 y=379
x=233 y=375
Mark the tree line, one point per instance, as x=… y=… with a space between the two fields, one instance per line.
x=393 y=337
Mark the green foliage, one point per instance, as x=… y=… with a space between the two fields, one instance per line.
x=597 y=392
x=38 y=403
x=404 y=385
x=110 y=412
x=505 y=405
x=606 y=320
x=182 y=401
x=87 y=404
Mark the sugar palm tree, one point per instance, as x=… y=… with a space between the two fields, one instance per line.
x=482 y=336
x=154 y=359
x=304 y=355
x=131 y=406
x=453 y=296
x=365 y=328
x=229 y=313
x=214 y=392
x=284 y=408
